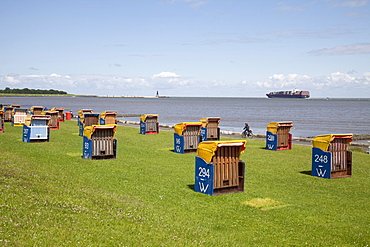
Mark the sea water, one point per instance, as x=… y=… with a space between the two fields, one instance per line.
x=310 y=117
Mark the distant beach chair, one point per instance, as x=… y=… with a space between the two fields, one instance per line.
x=278 y=136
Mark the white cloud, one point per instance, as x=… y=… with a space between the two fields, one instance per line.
x=335 y=80
x=169 y=83
x=340 y=77
x=300 y=6
x=349 y=3
x=285 y=81
x=11 y=80
x=33 y=76
x=165 y=74
x=365 y=79
x=344 y=50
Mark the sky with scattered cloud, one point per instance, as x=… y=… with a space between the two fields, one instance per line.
x=187 y=47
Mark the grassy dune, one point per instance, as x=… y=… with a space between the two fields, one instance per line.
x=50 y=196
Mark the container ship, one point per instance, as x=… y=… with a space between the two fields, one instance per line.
x=289 y=94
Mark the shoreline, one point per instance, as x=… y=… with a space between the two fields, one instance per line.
x=166 y=96
x=296 y=140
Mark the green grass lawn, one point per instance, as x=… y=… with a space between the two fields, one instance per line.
x=50 y=196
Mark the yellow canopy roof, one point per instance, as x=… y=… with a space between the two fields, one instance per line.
x=206 y=120
x=27 y=121
x=36 y=107
x=180 y=127
x=82 y=114
x=29 y=118
x=206 y=150
x=89 y=130
x=82 y=111
x=104 y=114
x=143 y=117
x=323 y=141
x=273 y=126
x=7 y=108
x=49 y=113
x=57 y=109
x=20 y=110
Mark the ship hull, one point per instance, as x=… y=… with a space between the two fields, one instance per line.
x=294 y=94
x=288 y=96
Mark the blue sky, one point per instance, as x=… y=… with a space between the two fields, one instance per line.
x=229 y=48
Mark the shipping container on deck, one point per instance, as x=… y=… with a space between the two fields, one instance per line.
x=88 y=119
x=210 y=130
x=99 y=142
x=36 y=110
x=8 y=112
x=36 y=128
x=187 y=137
x=149 y=124
x=16 y=106
x=80 y=114
x=53 y=123
x=218 y=168
x=331 y=157
x=278 y=136
x=19 y=116
x=1 y=121
x=108 y=117
x=60 y=111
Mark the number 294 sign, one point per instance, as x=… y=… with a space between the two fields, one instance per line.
x=203 y=177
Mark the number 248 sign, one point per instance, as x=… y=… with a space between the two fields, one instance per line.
x=321 y=158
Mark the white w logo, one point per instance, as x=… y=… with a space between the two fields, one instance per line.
x=320 y=173
x=201 y=187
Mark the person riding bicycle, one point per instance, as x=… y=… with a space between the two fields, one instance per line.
x=246 y=131
x=246 y=128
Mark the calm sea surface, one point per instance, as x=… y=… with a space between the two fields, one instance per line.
x=310 y=117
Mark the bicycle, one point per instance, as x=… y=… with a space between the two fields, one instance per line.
x=247 y=134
